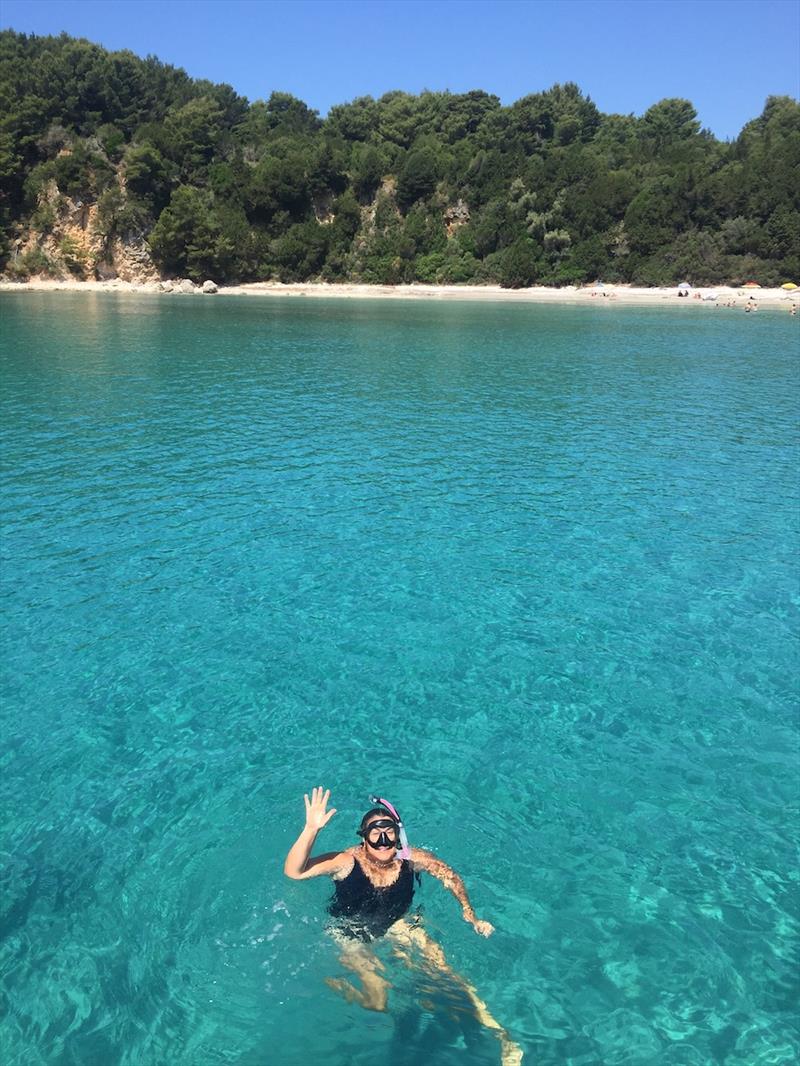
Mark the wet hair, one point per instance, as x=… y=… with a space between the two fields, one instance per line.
x=375 y=812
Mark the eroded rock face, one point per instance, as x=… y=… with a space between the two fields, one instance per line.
x=209 y=287
x=455 y=216
x=130 y=258
x=75 y=244
x=105 y=271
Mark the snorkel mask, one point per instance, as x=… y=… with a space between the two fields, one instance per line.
x=403 y=851
x=378 y=830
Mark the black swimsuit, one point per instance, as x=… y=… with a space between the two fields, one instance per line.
x=366 y=911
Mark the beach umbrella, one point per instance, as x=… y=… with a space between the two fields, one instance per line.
x=789 y=285
x=684 y=285
x=751 y=285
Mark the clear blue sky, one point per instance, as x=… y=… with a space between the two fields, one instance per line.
x=726 y=57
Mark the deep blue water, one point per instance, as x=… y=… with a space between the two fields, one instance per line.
x=530 y=572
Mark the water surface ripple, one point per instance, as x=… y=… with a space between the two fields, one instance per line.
x=530 y=572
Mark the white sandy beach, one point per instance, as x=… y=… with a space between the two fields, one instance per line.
x=607 y=295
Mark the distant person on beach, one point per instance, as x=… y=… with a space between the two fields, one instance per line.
x=373 y=889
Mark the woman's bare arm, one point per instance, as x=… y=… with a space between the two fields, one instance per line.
x=427 y=861
x=299 y=865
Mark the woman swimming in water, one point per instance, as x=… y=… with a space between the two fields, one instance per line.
x=373 y=889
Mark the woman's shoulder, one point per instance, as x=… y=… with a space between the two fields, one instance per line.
x=421 y=858
x=346 y=861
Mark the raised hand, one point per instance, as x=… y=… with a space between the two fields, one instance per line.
x=317 y=817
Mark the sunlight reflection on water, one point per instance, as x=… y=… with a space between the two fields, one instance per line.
x=529 y=571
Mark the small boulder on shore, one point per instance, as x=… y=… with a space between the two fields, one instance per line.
x=187 y=286
x=209 y=287
x=166 y=286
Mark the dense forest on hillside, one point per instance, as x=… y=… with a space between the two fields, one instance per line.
x=439 y=187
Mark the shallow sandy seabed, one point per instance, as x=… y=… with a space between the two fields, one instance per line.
x=608 y=295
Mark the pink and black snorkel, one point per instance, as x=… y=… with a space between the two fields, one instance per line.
x=403 y=852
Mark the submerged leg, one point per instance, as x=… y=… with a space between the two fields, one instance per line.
x=406 y=937
x=365 y=964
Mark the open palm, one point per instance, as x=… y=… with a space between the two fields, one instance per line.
x=317 y=815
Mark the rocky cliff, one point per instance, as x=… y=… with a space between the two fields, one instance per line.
x=66 y=238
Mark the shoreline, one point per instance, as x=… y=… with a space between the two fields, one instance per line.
x=606 y=295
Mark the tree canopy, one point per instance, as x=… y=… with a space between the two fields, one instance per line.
x=436 y=187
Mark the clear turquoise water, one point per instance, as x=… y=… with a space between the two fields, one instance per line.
x=528 y=571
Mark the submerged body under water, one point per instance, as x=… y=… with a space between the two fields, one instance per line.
x=530 y=571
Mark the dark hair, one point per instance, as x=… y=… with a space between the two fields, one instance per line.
x=376 y=812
